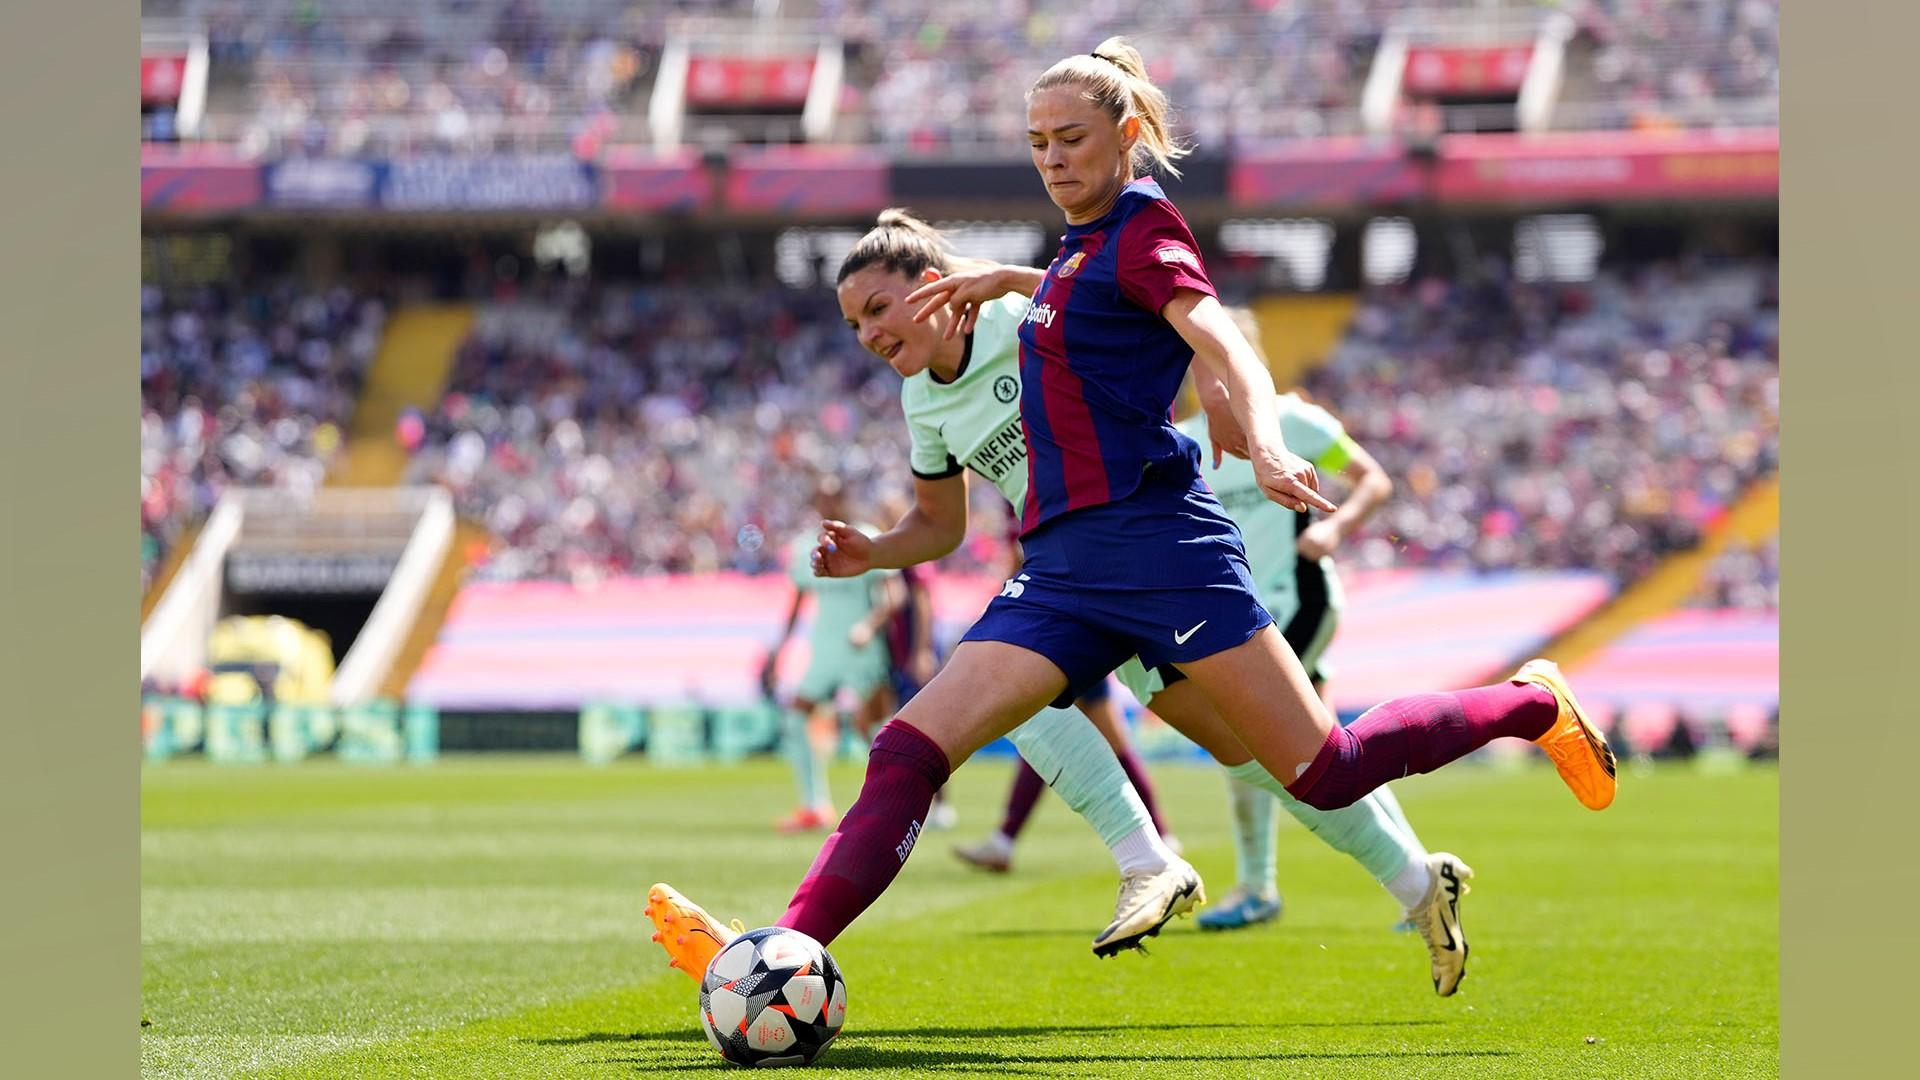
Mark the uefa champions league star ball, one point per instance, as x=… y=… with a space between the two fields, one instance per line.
x=772 y=997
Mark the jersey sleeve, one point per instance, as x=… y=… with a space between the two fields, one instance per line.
x=928 y=456
x=1317 y=435
x=1157 y=255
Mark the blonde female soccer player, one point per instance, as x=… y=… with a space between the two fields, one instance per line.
x=1128 y=553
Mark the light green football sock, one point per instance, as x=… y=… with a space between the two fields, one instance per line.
x=1074 y=759
x=1255 y=813
x=809 y=768
x=1391 y=804
x=1365 y=831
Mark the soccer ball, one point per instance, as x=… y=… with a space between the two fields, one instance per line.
x=772 y=997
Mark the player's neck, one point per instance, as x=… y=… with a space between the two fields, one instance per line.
x=948 y=353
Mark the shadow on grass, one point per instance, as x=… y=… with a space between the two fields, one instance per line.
x=1013 y=1059
x=695 y=1038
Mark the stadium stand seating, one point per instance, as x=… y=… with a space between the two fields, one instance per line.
x=357 y=77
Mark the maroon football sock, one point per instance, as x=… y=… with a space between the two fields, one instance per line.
x=1136 y=771
x=871 y=844
x=1417 y=734
x=1027 y=786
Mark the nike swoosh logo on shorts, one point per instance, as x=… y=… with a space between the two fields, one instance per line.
x=1181 y=639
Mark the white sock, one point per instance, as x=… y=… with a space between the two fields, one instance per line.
x=1142 y=849
x=1409 y=886
x=1001 y=843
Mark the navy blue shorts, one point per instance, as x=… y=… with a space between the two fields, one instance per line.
x=1161 y=574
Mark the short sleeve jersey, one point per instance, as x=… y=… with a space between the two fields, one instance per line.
x=973 y=422
x=1099 y=367
x=839 y=602
x=1268 y=529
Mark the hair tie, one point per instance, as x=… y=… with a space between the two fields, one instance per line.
x=1108 y=59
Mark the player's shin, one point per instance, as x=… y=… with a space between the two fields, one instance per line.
x=1416 y=734
x=1077 y=763
x=871 y=844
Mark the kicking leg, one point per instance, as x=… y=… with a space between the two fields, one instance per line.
x=1263 y=694
x=985 y=690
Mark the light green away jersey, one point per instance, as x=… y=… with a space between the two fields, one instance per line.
x=973 y=422
x=1269 y=529
x=839 y=602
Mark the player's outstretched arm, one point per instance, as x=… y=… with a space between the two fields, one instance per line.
x=932 y=528
x=972 y=283
x=1220 y=349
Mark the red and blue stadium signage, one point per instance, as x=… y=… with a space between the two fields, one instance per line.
x=161 y=77
x=312 y=183
x=1504 y=168
x=1609 y=165
x=796 y=179
x=197 y=178
x=1324 y=173
x=742 y=83
x=1453 y=71
x=1307 y=174
x=632 y=178
x=500 y=182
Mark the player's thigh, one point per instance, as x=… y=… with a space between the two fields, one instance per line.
x=985 y=690
x=1185 y=708
x=1266 y=699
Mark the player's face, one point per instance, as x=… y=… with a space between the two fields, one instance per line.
x=1080 y=152
x=872 y=301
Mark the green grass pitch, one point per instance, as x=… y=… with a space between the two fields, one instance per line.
x=481 y=917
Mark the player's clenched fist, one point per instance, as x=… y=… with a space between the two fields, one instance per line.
x=842 y=551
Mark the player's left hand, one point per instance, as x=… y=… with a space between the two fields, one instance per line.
x=962 y=292
x=842 y=551
x=1318 y=540
x=1288 y=479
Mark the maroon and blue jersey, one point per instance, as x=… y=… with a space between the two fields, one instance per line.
x=1099 y=367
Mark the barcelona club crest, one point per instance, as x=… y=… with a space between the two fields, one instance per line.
x=1073 y=263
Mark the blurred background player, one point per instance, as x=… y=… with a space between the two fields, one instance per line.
x=847 y=652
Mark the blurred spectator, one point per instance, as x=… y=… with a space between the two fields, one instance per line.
x=1742 y=577
x=1597 y=426
x=603 y=431
x=657 y=430
x=245 y=387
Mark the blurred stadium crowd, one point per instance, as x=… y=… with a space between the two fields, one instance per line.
x=247 y=387
x=608 y=429
x=1599 y=426
x=362 y=77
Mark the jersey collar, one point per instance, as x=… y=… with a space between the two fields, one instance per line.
x=966 y=357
